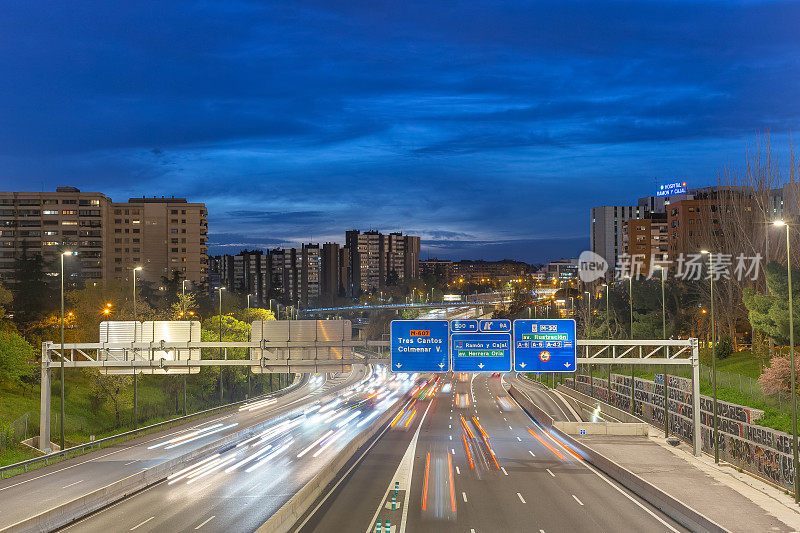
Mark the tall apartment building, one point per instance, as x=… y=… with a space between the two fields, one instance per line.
x=247 y=272
x=108 y=238
x=646 y=241
x=376 y=258
x=291 y=275
x=330 y=282
x=162 y=235
x=606 y=230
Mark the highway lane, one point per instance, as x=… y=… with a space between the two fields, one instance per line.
x=241 y=487
x=549 y=401
x=480 y=464
x=37 y=491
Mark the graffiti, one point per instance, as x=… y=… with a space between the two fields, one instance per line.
x=761 y=450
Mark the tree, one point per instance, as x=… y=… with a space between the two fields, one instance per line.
x=17 y=356
x=769 y=313
x=33 y=297
x=112 y=388
x=5 y=298
x=253 y=314
x=777 y=376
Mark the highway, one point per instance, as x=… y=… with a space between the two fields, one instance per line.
x=239 y=488
x=472 y=461
x=29 y=494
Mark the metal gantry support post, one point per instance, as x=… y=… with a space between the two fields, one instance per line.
x=44 y=408
x=696 y=436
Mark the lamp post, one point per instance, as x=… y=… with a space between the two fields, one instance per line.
x=183 y=316
x=248 y=349
x=220 y=340
x=666 y=351
x=135 y=375
x=796 y=469
x=608 y=317
x=713 y=353
x=62 y=351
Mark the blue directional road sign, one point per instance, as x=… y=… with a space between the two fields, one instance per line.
x=494 y=326
x=481 y=352
x=420 y=346
x=545 y=345
x=460 y=326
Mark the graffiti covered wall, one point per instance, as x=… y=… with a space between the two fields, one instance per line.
x=757 y=449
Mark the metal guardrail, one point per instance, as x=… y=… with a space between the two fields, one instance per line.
x=82 y=448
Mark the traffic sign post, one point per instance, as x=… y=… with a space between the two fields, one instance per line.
x=481 y=352
x=545 y=345
x=420 y=346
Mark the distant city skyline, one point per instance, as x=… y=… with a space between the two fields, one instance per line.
x=489 y=129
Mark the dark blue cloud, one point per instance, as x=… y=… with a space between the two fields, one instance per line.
x=492 y=124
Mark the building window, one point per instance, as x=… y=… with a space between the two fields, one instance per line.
x=69 y=212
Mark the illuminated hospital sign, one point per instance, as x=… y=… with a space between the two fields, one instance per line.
x=672 y=189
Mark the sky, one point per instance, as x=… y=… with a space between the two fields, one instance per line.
x=489 y=128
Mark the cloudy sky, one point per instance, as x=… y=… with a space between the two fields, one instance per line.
x=488 y=127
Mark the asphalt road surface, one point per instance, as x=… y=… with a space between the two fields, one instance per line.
x=472 y=461
x=29 y=494
x=239 y=488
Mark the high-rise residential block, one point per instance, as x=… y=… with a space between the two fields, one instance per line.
x=108 y=239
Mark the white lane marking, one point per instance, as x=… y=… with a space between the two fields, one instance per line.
x=72 y=484
x=405 y=468
x=509 y=427
x=130 y=463
x=142 y=523
x=464 y=495
x=520 y=497
x=450 y=426
x=471 y=530
x=519 y=439
x=549 y=472
x=604 y=478
x=453 y=450
x=458 y=471
x=532 y=454
x=504 y=470
x=251 y=489
x=504 y=419
x=577 y=500
x=206 y=522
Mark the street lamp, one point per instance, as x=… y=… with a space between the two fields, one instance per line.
x=791 y=360
x=183 y=297
x=608 y=319
x=630 y=302
x=62 y=349
x=666 y=350
x=220 y=340
x=713 y=352
x=135 y=375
